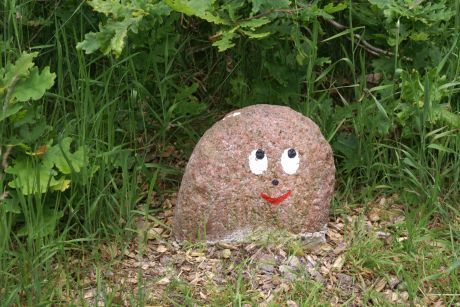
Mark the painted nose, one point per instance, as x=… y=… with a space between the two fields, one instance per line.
x=275 y=182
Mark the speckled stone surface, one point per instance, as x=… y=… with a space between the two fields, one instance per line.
x=221 y=197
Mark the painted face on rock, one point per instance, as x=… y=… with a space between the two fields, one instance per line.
x=259 y=162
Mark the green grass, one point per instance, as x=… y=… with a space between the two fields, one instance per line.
x=129 y=110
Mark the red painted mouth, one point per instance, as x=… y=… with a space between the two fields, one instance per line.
x=276 y=200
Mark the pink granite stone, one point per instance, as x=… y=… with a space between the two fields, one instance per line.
x=262 y=167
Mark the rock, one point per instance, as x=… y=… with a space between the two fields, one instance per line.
x=261 y=167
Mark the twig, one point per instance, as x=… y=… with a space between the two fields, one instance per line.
x=5 y=156
x=9 y=92
x=4 y=195
x=365 y=44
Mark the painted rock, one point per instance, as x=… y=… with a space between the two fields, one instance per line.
x=260 y=168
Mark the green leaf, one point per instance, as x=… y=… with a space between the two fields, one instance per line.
x=35 y=86
x=61 y=185
x=331 y=8
x=255 y=35
x=200 y=8
x=452 y=119
x=419 y=36
x=44 y=226
x=22 y=66
x=266 y=5
x=111 y=37
x=10 y=111
x=225 y=42
x=94 y=41
x=113 y=8
x=441 y=148
x=191 y=108
x=160 y=9
x=10 y=205
x=60 y=156
x=31 y=177
x=254 y=23
x=123 y=17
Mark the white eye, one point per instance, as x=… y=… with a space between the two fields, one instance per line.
x=290 y=161
x=258 y=162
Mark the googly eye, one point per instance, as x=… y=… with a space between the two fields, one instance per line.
x=290 y=161
x=258 y=161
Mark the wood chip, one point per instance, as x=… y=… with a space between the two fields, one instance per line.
x=374 y=215
x=196 y=254
x=338 y=263
x=382 y=234
x=162 y=249
x=394 y=281
x=381 y=283
x=227 y=246
x=90 y=294
x=226 y=253
x=203 y=296
x=163 y=281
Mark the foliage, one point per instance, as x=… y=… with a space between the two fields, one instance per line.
x=21 y=82
x=123 y=17
x=33 y=171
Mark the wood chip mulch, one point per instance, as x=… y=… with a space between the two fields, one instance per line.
x=160 y=267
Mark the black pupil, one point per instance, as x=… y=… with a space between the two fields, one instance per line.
x=260 y=154
x=291 y=153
